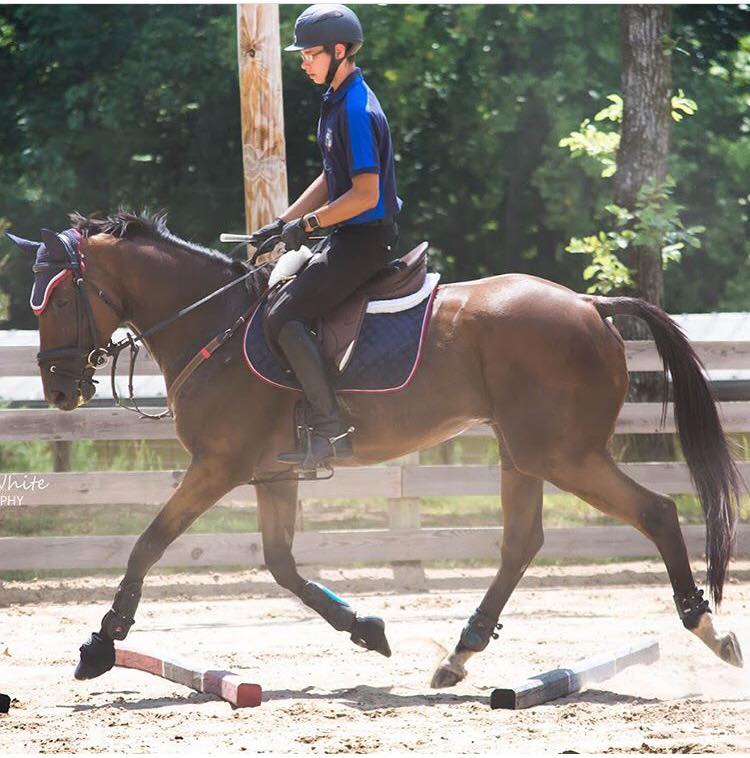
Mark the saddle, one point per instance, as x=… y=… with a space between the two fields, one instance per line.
x=339 y=330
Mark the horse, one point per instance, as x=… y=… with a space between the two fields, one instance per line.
x=542 y=365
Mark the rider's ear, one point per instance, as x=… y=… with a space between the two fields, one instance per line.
x=26 y=245
x=54 y=245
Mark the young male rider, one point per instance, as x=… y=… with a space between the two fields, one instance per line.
x=355 y=195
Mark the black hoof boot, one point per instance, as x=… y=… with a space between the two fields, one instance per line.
x=479 y=629
x=97 y=657
x=369 y=632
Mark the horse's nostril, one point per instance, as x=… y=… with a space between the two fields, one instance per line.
x=57 y=397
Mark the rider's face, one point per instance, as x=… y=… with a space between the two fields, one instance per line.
x=315 y=62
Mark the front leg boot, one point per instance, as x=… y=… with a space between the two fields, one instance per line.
x=479 y=630
x=97 y=657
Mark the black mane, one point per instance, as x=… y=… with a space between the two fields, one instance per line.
x=128 y=225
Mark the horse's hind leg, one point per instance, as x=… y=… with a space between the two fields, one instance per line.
x=277 y=506
x=521 y=498
x=205 y=481
x=601 y=483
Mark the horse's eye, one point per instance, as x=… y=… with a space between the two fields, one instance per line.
x=60 y=302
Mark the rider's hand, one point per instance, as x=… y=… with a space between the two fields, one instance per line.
x=293 y=235
x=258 y=237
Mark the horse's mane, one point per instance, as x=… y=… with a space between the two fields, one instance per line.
x=127 y=225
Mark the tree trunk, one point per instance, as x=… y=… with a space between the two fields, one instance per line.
x=642 y=156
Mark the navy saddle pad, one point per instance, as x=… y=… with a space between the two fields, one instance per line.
x=385 y=358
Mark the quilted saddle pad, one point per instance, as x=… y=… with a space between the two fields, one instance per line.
x=385 y=359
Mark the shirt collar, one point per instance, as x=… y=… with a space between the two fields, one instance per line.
x=334 y=95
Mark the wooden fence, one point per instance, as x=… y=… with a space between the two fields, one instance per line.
x=402 y=484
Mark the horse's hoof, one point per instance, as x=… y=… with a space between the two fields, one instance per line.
x=447 y=676
x=730 y=650
x=369 y=632
x=97 y=657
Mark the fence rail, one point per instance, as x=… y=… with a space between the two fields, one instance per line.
x=641 y=356
x=149 y=487
x=117 y=424
x=340 y=548
x=402 y=485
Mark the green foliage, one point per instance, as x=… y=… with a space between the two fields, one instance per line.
x=606 y=270
x=102 y=108
x=25 y=456
x=655 y=221
x=591 y=141
x=684 y=104
x=94 y=455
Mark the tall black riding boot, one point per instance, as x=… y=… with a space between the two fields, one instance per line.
x=330 y=436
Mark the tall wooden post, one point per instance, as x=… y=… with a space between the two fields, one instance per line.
x=262 y=114
x=263 y=147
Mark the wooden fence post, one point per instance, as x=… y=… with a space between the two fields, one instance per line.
x=262 y=112
x=61 y=453
x=404 y=513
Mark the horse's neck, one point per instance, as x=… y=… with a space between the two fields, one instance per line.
x=160 y=284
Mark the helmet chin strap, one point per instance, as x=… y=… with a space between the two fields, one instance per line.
x=333 y=66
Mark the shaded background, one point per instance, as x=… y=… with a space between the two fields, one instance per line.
x=138 y=106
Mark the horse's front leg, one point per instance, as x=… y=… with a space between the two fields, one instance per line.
x=205 y=481
x=277 y=507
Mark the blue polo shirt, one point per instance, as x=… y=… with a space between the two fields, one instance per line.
x=354 y=138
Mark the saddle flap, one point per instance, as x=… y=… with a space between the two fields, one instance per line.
x=339 y=329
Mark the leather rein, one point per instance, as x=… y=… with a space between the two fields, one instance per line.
x=96 y=355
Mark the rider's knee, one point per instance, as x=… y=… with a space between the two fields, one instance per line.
x=274 y=323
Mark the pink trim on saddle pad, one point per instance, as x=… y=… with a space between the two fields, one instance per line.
x=404 y=385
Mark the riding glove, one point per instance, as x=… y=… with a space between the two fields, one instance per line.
x=293 y=235
x=258 y=237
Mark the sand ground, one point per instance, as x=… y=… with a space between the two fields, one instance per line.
x=324 y=695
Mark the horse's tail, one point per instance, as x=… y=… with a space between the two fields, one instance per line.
x=713 y=471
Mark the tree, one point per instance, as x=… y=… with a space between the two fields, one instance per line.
x=644 y=137
x=104 y=107
x=641 y=163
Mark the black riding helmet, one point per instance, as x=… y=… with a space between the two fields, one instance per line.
x=327 y=24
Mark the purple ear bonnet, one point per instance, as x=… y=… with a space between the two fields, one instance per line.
x=57 y=256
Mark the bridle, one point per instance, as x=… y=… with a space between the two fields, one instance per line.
x=89 y=349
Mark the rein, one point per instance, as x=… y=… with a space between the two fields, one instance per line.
x=98 y=356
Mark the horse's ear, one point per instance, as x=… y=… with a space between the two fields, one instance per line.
x=54 y=246
x=26 y=245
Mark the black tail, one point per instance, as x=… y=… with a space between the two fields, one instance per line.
x=713 y=471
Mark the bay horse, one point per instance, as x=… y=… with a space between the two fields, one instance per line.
x=538 y=362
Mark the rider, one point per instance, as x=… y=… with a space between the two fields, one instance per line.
x=355 y=195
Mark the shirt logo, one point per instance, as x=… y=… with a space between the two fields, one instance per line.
x=329 y=139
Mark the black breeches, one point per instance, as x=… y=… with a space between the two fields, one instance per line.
x=345 y=261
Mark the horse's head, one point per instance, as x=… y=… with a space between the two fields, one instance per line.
x=76 y=316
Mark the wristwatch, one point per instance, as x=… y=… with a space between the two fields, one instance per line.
x=312 y=222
